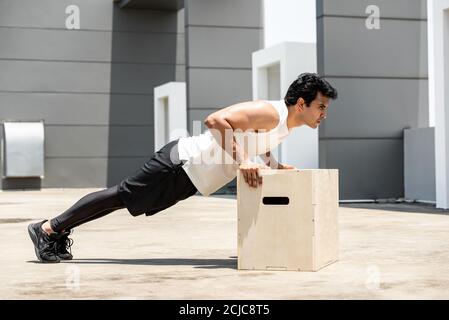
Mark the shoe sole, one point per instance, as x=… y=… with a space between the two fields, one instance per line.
x=33 y=237
x=65 y=259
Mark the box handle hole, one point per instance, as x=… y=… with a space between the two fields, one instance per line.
x=278 y=201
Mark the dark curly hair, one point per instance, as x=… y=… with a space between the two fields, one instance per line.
x=307 y=87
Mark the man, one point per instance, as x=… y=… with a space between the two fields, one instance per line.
x=235 y=136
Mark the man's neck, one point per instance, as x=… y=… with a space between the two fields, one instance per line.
x=293 y=122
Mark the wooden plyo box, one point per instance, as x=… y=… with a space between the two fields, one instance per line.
x=290 y=222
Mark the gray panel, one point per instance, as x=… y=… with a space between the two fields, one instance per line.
x=75 y=172
x=151 y=4
x=95 y=141
x=322 y=154
x=82 y=77
x=89 y=46
x=180 y=75
x=69 y=92
x=21 y=183
x=87 y=109
x=375 y=107
x=218 y=88
x=217 y=47
x=181 y=21
x=234 y=13
x=319 y=7
x=369 y=169
x=412 y=9
x=88 y=172
x=98 y=15
x=320 y=45
x=180 y=49
x=419 y=164
x=398 y=49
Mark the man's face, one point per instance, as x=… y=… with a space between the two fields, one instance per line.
x=316 y=111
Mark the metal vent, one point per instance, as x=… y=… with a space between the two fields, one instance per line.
x=23 y=149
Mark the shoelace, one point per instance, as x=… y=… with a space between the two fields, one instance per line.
x=68 y=243
x=50 y=247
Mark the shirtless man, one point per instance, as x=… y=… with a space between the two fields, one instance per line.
x=204 y=163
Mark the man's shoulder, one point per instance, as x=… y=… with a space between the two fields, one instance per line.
x=267 y=114
x=261 y=105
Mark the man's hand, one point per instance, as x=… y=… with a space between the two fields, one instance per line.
x=250 y=172
x=286 y=166
x=269 y=160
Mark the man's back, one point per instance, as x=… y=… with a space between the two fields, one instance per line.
x=211 y=159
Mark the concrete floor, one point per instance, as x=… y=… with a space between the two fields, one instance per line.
x=388 y=251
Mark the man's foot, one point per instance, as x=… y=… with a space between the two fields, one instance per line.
x=44 y=244
x=63 y=245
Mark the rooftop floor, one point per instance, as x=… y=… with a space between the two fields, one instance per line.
x=387 y=251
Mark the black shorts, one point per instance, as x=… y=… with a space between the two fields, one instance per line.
x=159 y=184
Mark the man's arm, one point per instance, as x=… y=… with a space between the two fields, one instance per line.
x=270 y=161
x=243 y=116
x=222 y=131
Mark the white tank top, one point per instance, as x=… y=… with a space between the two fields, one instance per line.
x=209 y=167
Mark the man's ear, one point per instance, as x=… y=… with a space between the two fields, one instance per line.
x=300 y=104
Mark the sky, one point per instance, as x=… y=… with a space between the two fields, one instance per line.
x=289 y=20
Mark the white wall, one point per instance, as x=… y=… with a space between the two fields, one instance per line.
x=438 y=26
x=289 y=20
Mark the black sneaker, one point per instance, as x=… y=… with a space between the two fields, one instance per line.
x=63 y=244
x=44 y=244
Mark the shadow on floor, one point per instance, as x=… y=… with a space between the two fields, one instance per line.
x=230 y=263
x=400 y=207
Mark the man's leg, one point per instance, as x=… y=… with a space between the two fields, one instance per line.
x=50 y=240
x=94 y=217
x=90 y=207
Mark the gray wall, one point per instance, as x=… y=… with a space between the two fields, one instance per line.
x=419 y=164
x=93 y=87
x=221 y=35
x=381 y=76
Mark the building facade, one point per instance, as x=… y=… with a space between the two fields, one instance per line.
x=93 y=86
